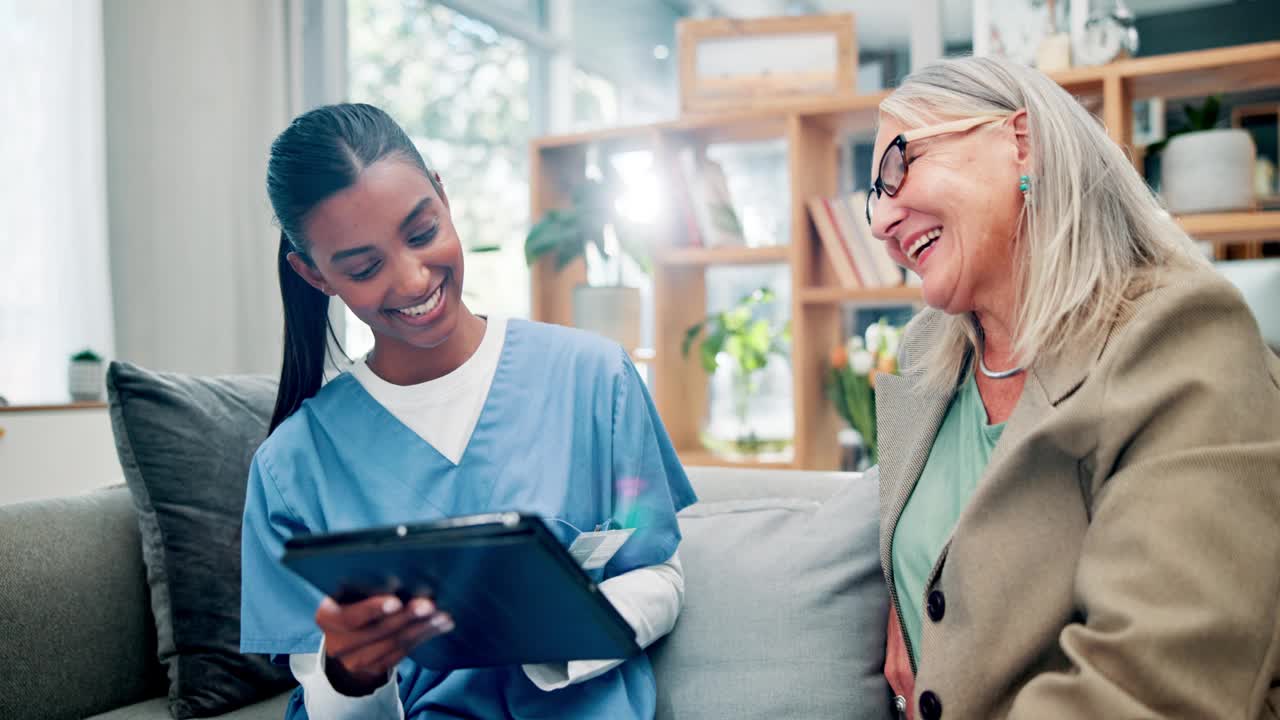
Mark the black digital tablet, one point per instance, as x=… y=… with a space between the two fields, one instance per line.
x=515 y=593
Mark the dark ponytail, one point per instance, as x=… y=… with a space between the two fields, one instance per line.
x=321 y=152
x=306 y=329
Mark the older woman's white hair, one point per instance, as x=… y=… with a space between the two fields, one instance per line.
x=1091 y=230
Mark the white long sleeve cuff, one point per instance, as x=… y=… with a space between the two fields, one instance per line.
x=648 y=598
x=323 y=702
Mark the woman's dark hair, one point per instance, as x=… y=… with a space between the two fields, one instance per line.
x=322 y=152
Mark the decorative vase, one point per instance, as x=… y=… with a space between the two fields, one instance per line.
x=1208 y=171
x=84 y=380
x=749 y=417
x=612 y=311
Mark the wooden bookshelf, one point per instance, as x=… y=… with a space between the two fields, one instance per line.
x=813 y=131
x=724 y=256
x=1233 y=227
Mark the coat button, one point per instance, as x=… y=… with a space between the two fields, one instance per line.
x=930 y=705
x=936 y=605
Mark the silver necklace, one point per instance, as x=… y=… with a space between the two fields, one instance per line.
x=995 y=375
x=982 y=362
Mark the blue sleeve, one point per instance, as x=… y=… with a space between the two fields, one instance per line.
x=277 y=607
x=649 y=483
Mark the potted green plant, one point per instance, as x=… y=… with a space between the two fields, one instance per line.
x=590 y=220
x=740 y=343
x=1204 y=167
x=84 y=376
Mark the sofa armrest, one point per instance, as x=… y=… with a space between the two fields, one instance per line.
x=76 y=633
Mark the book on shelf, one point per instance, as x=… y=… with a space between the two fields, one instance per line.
x=859 y=260
x=685 y=223
x=886 y=269
x=824 y=221
x=713 y=210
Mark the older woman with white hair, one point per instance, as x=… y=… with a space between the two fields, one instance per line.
x=1080 y=461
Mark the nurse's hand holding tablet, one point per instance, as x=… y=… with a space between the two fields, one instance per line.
x=364 y=640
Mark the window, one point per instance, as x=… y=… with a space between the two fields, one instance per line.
x=461 y=90
x=55 y=297
x=595 y=102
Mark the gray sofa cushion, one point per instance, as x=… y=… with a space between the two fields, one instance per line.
x=785 y=605
x=158 y=709
x=75 y=634
x=185 y=444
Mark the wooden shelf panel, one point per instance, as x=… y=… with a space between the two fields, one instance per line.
x=845 y=116
x=725 y=256
x=1083 y=80
x=1232 y=227
x=744 y=126
x=872 y=296
x=53 y=407
x=702 y=457
x=1203 y=72
x=634 y=136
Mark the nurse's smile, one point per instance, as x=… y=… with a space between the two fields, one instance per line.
x=427 y=311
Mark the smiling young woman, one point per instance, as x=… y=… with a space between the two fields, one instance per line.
x=450 y=414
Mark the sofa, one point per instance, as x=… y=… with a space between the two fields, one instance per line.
x=78 y=639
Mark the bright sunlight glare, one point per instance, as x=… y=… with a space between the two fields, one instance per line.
x=641 y=198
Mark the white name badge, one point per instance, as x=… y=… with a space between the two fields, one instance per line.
x=594 y=550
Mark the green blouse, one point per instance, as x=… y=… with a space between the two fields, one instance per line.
x=956 y=462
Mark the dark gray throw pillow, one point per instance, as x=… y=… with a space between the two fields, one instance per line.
x=185 y=443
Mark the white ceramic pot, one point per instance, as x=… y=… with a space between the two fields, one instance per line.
x=84 y=380
x=611 y=311
x=1208 y=171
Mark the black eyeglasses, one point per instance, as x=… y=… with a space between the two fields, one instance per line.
x=893 y=164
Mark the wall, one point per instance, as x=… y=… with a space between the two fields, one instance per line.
x=1244 y=21
x=56 y=452
x=195 y=92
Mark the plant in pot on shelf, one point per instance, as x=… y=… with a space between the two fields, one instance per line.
x=740 y=343
x=591 y=221
x=1204 y=167
x=851 y=382
x=84 y=376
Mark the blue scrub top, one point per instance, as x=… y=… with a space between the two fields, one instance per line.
x=568 y=432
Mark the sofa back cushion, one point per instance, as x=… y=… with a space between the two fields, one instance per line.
x=785 y=604
x=75 y=633
x=185 y=443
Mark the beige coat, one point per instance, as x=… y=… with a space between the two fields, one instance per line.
x=1120 y=557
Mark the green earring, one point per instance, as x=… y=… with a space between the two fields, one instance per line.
x=1024 y=184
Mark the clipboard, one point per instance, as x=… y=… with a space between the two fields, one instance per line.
x=515 y=594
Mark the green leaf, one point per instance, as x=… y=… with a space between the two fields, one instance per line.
x=689 y=336
x=556 y=229
x=733 y=345
x=708 y=354
x=724 y=218
x=737 y=318
x=757 y=337
x=1212 y=107
x=567 y=253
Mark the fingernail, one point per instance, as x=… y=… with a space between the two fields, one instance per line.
x=391 y=605
x=328 y=604
x=442 y=622
x=422 y=608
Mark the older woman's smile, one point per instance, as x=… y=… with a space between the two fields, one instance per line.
x=921 y=244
